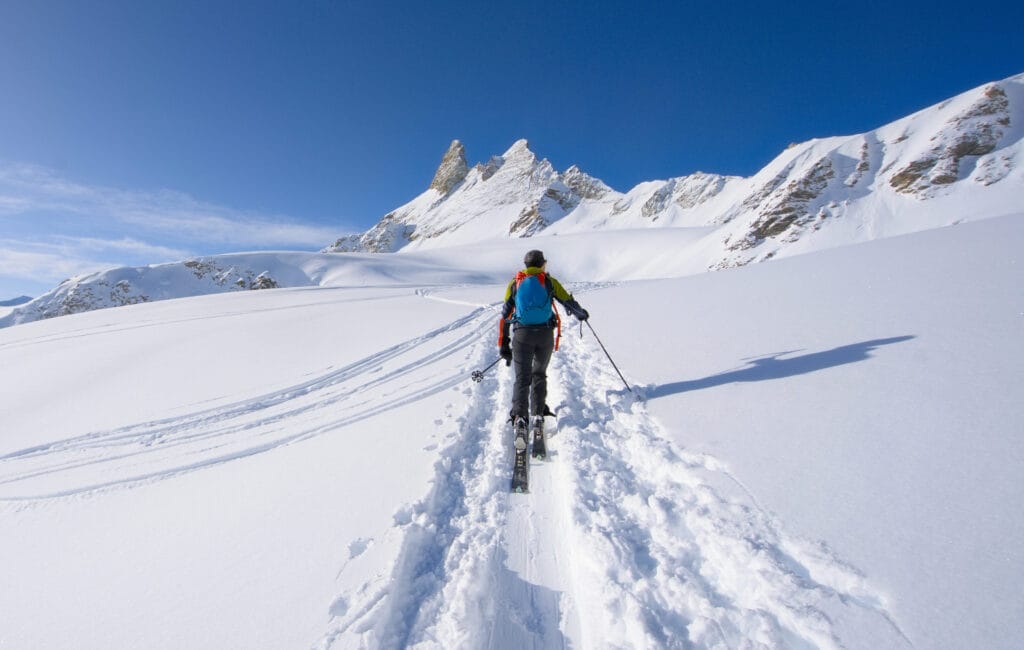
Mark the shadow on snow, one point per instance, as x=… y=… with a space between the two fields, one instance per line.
x=774 y=366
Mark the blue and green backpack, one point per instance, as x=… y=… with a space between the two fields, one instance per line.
x=534 y=301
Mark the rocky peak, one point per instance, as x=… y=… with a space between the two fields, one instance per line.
x=452 y=171
x=583 y=184
x=539 y=171
x=520 y=148
x=492 y=166
x=698 y=188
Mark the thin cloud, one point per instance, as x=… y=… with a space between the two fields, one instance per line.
x=52 y=228
x=68 y=256
x=125 y=245
x=13 y=205
x=44 y=263
x=27 y=189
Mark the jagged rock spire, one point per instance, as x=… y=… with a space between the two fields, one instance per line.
x=583 y=184
x=453 y=169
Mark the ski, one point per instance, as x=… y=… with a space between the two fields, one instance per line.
x=521 y=464
x=540 y=447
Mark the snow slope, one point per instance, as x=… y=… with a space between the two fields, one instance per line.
x=820 y=452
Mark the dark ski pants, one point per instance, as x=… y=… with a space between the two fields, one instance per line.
x=531 y=352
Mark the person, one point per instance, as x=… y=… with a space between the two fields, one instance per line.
x=530 y=314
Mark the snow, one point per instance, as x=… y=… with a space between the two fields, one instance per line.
x=820 y=451
x=884 y=393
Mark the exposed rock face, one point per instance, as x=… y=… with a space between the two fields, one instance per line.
x=583 y=185
x=684 y=192
x=80 y=298
x=863 y=166
x=655 y=205
x=346 y=244
x=127 y=286
x=976 y=131
x=452 y=171
x=264 y=281
x=390 y=234
x=529 y=222
x=789 y=207
x=687 y=192
x=557 y=201
x=206 y=268
x=491 y=168
x=697 y=189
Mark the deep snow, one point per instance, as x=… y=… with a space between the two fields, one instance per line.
x=821 y=452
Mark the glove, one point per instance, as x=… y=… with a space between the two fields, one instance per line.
x=506 y=354
x=574 y=308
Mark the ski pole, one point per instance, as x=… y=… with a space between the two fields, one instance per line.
x=478 y=375
x=608 y=355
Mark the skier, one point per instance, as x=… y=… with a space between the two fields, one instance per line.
x=529 y=310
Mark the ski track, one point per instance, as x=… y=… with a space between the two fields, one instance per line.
x=161 y=449
x=452 y=585
x=622 y=542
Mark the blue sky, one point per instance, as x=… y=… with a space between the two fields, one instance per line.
x=141 y=132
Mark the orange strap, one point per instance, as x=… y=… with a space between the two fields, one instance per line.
x=501 y=332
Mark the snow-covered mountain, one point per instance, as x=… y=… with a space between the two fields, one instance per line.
x=129 y=286
x=518 y=195
x=229 y=273
x=960 y=159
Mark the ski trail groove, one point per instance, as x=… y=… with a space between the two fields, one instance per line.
x=161 y=449
x=623 y=542
x=453 y=526
x=454 y=583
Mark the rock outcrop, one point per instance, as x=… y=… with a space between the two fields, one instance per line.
x=452 y=171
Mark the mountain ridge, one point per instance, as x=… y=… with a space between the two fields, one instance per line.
x=955 y=161
x=970 y=141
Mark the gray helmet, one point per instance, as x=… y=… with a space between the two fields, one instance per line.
x=535 y=258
